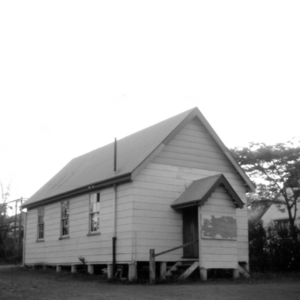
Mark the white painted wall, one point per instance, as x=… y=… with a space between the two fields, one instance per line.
x=192 y=154
x=217 y=253
x=274 y=214
x=95 y=249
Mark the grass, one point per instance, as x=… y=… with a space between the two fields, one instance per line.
x=18 y=283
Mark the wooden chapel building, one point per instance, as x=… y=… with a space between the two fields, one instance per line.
x=175 y=183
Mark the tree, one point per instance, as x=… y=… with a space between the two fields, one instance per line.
x=5 y=221
x=276 y=171
x=5 y=192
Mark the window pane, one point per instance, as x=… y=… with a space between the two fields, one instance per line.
x=94 y=212
x=93 y=198
x=65 y=227
x=66 y=222
x=94 y=207
x=40 y=225
x=65 y=213
x=65 y=231
x=94 y=222
x=41 y=231
x=65 y=209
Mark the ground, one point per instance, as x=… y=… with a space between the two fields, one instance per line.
x=18 y=283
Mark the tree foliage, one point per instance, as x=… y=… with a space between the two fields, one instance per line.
x=6 y=242
x=273 y=249
x=275 y=169
x=5 y=193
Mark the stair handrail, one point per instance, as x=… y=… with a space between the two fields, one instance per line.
x=153 y=255
x=175 y=248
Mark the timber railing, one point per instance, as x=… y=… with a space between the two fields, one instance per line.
x=153 y=255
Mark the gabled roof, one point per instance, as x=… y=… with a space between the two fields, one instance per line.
x=200 y=190
x=257 y=211
x=94 y=170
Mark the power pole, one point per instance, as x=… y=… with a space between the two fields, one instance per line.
x=20 y=225
x=15 y=221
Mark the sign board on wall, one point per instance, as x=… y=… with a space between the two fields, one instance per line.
x=218 y=227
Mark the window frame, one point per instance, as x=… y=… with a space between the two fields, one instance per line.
x=64 y=218
x=41 y=223
x=94 y=197
x=282 y=223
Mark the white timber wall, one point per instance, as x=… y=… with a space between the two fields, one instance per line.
x=94 y=248
x=192 y=154
x=217 y=253
x=274 y=214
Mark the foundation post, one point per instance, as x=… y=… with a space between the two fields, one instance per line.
x=163 y=270
x=110 y=271
x=235 y=273
x=203 y=274
x=152 y=266
x=91 y=269
x=73 y=269
x=58 y=268
x=132 y=271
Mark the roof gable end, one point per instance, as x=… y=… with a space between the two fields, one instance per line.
x=200 y=190
x=195 y=113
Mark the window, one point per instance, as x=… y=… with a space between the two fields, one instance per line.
x=65 y=218
x=41 y=226
x=94 y=212
x=282 y=224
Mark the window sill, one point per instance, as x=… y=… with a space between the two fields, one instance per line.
x=40 y=241
x=94 y=233
x=64 y=237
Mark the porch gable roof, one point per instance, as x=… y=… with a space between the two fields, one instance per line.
x=200 y=190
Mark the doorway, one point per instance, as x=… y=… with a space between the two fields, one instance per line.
x=190 y=231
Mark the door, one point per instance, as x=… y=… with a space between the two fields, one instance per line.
x=190 y=232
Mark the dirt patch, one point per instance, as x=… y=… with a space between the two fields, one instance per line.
x=18 y=283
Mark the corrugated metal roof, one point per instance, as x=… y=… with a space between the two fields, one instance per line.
x=97 y=165
x=200 y=190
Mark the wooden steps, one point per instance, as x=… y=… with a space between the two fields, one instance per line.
x=243 y=269
x=181 y=270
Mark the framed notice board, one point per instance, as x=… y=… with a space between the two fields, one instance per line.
x=218 y=227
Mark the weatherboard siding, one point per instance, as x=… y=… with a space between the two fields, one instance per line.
x=94 y=248
x=192 y=154
x=224 y=251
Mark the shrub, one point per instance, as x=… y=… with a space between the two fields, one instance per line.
x=273 y=249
